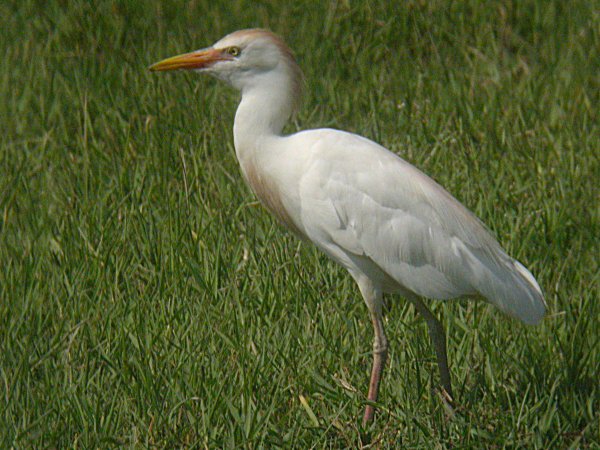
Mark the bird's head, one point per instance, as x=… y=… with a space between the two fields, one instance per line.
x=243 y=59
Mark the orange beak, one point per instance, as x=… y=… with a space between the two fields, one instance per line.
x=200 y=59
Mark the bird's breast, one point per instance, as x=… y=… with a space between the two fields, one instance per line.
x=267 y=191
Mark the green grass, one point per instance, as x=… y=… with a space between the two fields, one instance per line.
x=146 y=300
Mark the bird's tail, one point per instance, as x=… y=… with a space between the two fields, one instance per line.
x=507 y=284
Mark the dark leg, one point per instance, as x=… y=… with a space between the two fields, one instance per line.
x=438 y=338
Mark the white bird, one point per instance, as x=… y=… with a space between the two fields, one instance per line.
x=390 y=225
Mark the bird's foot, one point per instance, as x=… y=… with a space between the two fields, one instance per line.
x=447 y=402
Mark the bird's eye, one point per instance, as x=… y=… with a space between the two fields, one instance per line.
x=234 y=51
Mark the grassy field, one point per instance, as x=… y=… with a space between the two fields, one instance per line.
x=147 y=300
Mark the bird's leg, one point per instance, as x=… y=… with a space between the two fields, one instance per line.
x=380 y=346
x=438 y=338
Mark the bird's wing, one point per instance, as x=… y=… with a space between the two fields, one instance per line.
x=372 y=203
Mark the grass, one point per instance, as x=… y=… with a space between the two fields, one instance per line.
x=146 y=300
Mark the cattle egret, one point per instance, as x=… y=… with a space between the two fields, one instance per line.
x=390 y=225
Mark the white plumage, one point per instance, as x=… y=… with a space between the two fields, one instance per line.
x=391 y=226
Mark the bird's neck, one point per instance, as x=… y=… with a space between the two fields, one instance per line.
x=263 y=111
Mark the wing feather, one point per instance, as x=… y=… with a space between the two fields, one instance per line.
x=372 y=203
